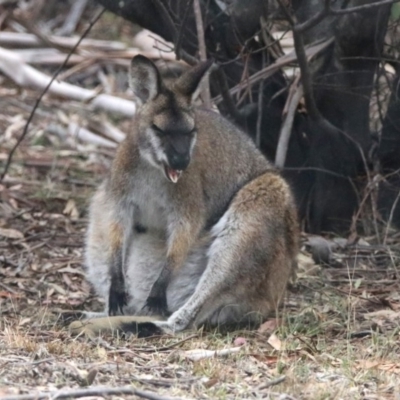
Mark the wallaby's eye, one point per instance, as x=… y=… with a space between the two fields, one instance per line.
x=157 y=130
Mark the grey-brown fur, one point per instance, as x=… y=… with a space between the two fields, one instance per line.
x=219 y=245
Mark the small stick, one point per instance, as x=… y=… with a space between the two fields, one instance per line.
x=272 y=382
x=92 y=391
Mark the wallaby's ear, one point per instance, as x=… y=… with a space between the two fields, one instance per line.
x=144 y=79
x=189 y=84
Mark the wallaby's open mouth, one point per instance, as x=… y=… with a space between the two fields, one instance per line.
x=172 y=174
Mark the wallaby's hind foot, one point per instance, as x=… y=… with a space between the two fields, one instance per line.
x=118 y=326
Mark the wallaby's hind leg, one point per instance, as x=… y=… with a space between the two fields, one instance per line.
x=250 y=258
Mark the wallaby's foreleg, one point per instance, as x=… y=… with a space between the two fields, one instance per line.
x=120 y=237
x=107 y=243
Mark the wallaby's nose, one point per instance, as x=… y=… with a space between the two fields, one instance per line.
x=179 y=161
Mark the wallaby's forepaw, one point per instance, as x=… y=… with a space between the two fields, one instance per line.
x=179 y=321
x=156 y=305
x=117 y=299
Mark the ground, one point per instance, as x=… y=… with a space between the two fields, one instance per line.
x=335 y=337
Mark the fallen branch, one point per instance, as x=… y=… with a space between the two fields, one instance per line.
x=78 y=132
x=92 y=391
x=26 y=76
x=107 y=130
x=20 y=39
x=50 y=56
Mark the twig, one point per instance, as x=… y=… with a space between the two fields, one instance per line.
x=283 y=396
x=299 y=47
x=328 y=10
x=272 y=382
x=178 y=42
x=277 y=65
x=314 y=20
x=81 y=133
x=23 y=40
x=174 y=32
x=206 y=96
x=70 y=23
x=389 y=222
x=316 y=169
x=261 y=87
x=295 y=95
x=158 y=349
x=92 y=391
x=225 y=94
x=24 y=133
x=259 y=111
x=167 y=18
x=364 y=7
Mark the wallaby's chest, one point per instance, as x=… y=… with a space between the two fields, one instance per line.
x=150 y=203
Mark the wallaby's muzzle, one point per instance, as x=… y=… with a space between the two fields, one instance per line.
x=178 y=154
x=172 y=174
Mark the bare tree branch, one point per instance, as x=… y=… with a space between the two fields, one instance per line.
x=174 y=32
x=328 y=10
x=364 y=7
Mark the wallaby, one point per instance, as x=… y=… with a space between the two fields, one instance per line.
x=193 y=222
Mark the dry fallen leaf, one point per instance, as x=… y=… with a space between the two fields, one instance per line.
x=199 y=354
x=270 y=325
x=5 y=295
x=71 y=209
x=239 y=341
x=11 y=233
x=275 y=342
x=24 y=321
x=381 y=365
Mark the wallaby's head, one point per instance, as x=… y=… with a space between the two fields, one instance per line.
x=167 y=130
